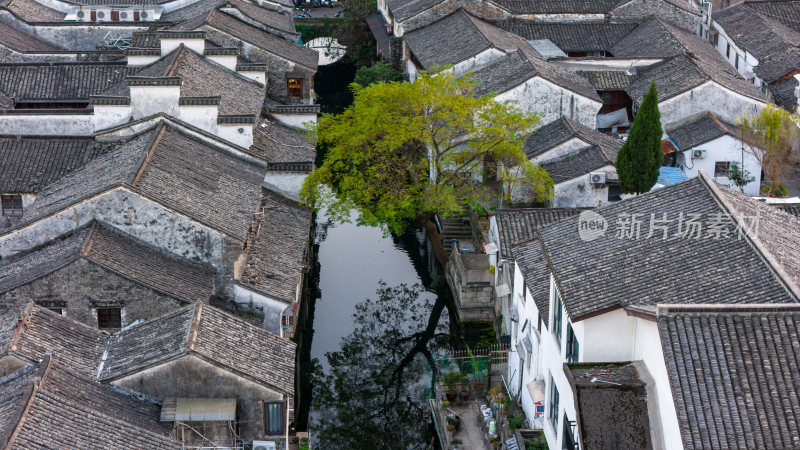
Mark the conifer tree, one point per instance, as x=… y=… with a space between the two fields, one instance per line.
x=640 y=157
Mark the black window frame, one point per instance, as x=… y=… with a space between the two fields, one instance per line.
x=558 y=317
x=573 y=346
x=553 y=406
x=14 y=209
x=722 y=172
x=267 y=424
x=109 y=320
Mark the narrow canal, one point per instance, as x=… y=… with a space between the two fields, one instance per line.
x=376 y=308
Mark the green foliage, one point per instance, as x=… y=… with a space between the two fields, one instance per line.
x=516 y=421
x=304 y=444
x=380 y=72
x=640 y=157
x=740 y=178
x=352 y=30
x=771 y=137
x=451 y=378
x=778 y=190
x=456 y=442
x=538 y=443
x=404 y=150
x=307 y=32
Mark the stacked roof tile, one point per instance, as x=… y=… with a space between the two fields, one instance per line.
x=519 y=225
x=563 y=130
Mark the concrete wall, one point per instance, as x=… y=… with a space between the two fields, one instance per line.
x=569 y=147
x=47 y=124
x=647 y=348
x=724 y=103
x=552 y=101
x=149 y=100
x=270 y=308
x=239 y=134
x=579 y=192
x=135 y=215
x=75 y=37
x=277 y=67
x=190 y=376
x=724 y=148
x=481 y=58
x=286 y=182
x=107 y=116
x=201 y=116
x=83 y=285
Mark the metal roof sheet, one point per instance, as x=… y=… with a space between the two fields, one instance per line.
x=198 y=409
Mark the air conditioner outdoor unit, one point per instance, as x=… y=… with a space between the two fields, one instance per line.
x=597 y=177
x=264 y=445
x=698 y=154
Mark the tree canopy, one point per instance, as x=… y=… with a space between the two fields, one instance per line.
x=403 y=150
x=380 y=72
x=640 y=157
x=771 y=137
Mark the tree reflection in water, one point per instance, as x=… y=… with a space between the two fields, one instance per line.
x=373 y=394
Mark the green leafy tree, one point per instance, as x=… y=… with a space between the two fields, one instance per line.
x=404 y=150
x=771 y=137
x=740 y=177
x=380 y=72
x=352 y=30
x=640 y=157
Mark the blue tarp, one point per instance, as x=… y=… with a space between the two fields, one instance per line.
x=670 y=175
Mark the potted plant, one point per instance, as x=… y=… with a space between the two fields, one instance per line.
x=455 y=443
x=450 y=379
x=451 y=422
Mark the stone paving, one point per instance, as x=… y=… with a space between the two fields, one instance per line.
x=470 y=431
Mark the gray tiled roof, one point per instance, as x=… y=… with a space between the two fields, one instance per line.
x=698 y=129
x=764 y=37
x=203 y=182
x=101 y=173
x=457 y=37
x=530 y=258
x=276 y=252
x=571 y=37
x=207 y=332
x=15 y=390
x=610 y=272
x=519 y=66
x=181 y=172
x=202 y=77
x=33 y=11
x=73 y=345
x=200 y=8
x=578 y=164
x=271 y=18
x=562 y=130
x=607 y=80
x=693 y=62
x=791 y=208
x=30 y=162
x=60 y=81
x=23 y=42
x=783 y=93
x=274 y=142
x=404 y=9
x=558 y=6
x=516 y=226
x=734 y=374
x=785 y=11
x=271 y=44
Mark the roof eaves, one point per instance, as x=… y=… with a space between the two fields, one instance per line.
x=777 y=270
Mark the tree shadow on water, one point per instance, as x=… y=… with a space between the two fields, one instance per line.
x=373 y=396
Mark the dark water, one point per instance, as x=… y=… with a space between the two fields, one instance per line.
x=378 y=314
x=376 y=308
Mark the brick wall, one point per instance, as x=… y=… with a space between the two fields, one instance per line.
x=83 y=285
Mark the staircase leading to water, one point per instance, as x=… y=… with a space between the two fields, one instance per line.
x=458 y=229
